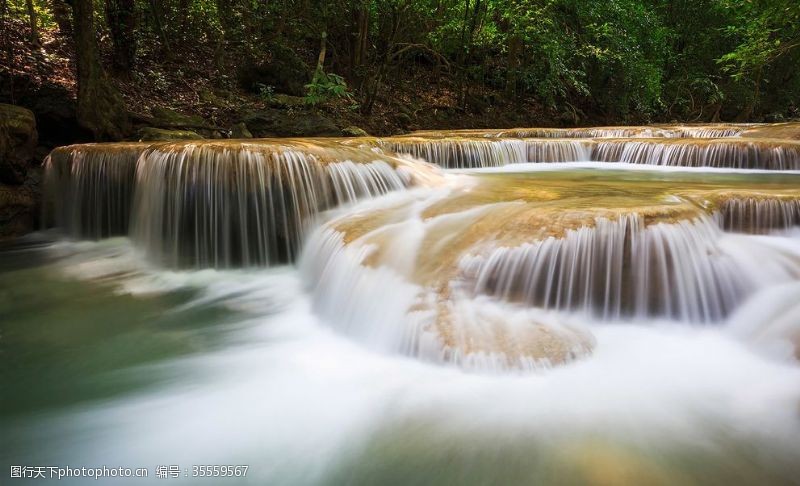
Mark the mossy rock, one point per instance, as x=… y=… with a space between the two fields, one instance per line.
x=166 y=118
x=354 y=131
x=214 y=133
x=18 y=139
x=281 y=123
x=240 y=131
x=17 y=120
x=286 y=101
x=403 y=120
x=18 y=209
x=208 y=96
x=151 y=134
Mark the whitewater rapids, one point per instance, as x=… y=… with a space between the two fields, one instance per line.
x=329 y=312
x=306 y=405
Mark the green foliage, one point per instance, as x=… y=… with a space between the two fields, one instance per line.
x=265 y=92
x=19 y=9
x=620 y=60
x=325 y=87
x=769 y=29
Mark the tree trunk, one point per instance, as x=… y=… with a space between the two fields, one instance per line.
x=514 y=49
x=121 y=18
x=474 y=27
x=158 y=21
x=35 y=40
x=323 y=49
x=461 y=56
x=360 y=39
x=374 y=89
x=747 y=111
x=100 y=107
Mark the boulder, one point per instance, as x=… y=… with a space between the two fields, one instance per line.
x=286 y=101
x=18 y=139
x=240 y=131
x=284 y=71
x=18 y=208
x=56 y=116
x=280 y=123
x=150 y=134
x=403 y=119
x=210 y=97
x=166 y=118
x=354 y=131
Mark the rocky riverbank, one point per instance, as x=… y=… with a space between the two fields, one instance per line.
x=20 y=171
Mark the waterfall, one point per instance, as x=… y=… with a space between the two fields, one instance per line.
x=383 y=307
x=370 y=317
x=655 y=131
x=459 y=153
x=493 y=272
x=754 y=215
x=732 y=153
x=483 y=271
x=212 y=206
x=477 y=153
x=89 y=188
x=723 y=153
x=217 y=203
x=687 y=270
x=711 y=132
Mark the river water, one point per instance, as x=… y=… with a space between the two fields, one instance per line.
x=112 y=359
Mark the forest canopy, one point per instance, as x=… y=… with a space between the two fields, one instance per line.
x=613 y=61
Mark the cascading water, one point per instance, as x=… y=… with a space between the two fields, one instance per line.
x=89 y=188
x=727 y=153
x=613 y=248
x=686 y=271
x=616 y=247
x=219 y=206
x=759 y=215
x=474 y=153
x=714 y=130
x=666 y=131
x=214 y=204
x=731 y=154
x=503 y=323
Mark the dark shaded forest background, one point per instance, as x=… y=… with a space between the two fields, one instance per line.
x=393 y=65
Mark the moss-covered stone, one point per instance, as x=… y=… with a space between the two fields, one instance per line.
x=240 y=131
x=208 y=96
x=17 y=209
x=281 y=123
x=150 y=134
x=286 y=101
x=354 y=131
x=166 y=118
x=17 y=142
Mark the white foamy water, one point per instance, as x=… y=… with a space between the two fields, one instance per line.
x=615 y=166
x=669 y=340
x=304 y=404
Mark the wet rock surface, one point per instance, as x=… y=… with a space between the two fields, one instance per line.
x=19 y=181
x=18 y=208
x=278 y=123
x=18 y=139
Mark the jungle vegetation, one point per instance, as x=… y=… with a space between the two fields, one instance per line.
x=566 y=61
